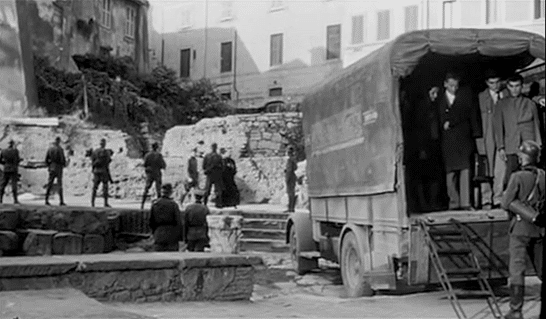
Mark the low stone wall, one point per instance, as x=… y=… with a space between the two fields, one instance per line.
x=144 y=277
x=46 y=230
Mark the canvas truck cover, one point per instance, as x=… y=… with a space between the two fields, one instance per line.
x=351 y=122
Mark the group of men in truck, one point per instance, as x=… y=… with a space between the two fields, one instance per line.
x=506 y=129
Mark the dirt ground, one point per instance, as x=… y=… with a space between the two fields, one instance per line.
x=281 y=293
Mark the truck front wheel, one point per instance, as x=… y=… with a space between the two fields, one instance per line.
x=353 y=268
x=301 y=265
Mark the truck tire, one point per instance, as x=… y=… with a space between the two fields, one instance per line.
x=352 y=268
x=300 y=265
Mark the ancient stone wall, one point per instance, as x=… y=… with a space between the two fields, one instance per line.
x=255 y=142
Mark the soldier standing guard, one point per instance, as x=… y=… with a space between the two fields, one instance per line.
x=166 y=221
x=10 y=159
x=195 y=224
x=526 y=238
x=212 y=166
x=100 y=160
x=290 y=179
x=153 y=164
x=56 y=161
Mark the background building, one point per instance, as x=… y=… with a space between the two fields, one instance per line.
x=370 y=24
x=261 y=52
x=258 y=52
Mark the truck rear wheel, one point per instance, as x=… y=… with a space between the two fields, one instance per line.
x=301 y=265
x=352 y=268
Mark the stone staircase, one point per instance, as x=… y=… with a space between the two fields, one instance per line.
x=263 y=231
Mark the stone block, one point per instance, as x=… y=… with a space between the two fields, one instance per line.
x=67 y=243
x=9 y=241
x=38 y=242
x=224 y=233
x=9 y=219
x=93 y=243
x=109 y=241
x=88 y=221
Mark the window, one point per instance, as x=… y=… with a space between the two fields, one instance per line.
x=276 y=92
x=411 y=18
x=447 y=13
x=333 y=42
x=226 y=57
x=357 y=28
x=276 y=49
x=185 y=18
x=277 y=4
x=226 y=13
x=383 y=25
x=226 y=96
x=539 y=9
x=185 y=63
x=106 y=13
x=130 y=17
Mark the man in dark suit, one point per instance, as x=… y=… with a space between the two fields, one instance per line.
x=460 y=122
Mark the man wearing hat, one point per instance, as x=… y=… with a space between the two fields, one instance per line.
x=166 y=221
x=290 y=179
x=526 y=238
x=212 y=166
x=195 y=224
x=153 y=164
x=10 y=159
x=56 y=161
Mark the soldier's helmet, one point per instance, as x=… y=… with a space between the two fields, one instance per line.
x=531 y=149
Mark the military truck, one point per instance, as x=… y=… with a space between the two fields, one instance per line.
x=356 y=141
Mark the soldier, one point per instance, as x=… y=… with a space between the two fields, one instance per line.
x=195 y=224
x=100 y=159
x=192 y=182
x=153 y=164
x=10 y=159
x=290 y=179
x=56 y=161
x=526 y=238
x=212 y=166
x=165 y=221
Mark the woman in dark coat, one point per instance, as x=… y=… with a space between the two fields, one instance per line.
x=230 y=195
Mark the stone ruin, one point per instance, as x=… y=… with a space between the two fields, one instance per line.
x=255 y=142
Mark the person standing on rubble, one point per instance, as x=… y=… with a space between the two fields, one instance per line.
x=212 y=166
x=10 y=159
x=290 y=179
x=56 y=161
x=100 y=162
x=526 y=238
x=153 y=164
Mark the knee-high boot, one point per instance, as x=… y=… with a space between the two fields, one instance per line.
x=516 y=302
x=61 y=197
x=93 y=196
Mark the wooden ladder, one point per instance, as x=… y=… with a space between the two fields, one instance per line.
x=451 y=254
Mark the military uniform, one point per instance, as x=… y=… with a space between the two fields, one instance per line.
x=153 y=164
x=166 y=224
x=525 y=238
x=10 y=159
x=212 y=166
x=290 y=181
x=100 y=159
x=195 y=227
x=56 y=161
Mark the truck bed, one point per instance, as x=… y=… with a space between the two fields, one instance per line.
x=443 y=217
